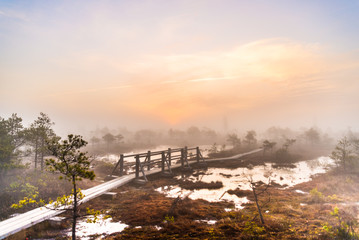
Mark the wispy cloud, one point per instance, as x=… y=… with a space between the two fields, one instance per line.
x=177 y=87
x=88 y=90
x=270 y=59
x=213 y=79
x=13 y=14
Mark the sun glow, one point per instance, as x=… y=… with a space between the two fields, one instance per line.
x=175 y=89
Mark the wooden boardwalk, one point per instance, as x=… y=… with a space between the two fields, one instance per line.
x=22 y=221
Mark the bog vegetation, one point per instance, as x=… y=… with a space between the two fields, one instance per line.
x=33 y=158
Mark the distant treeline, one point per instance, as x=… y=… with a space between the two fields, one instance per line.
x=20 y=142
x=122 y=140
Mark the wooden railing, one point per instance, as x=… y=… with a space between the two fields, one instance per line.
x=185 y=155
x=163 y=159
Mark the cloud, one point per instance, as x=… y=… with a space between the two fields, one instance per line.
x=213 y=79
x=86 y=90
x=247 y=76
x=177 y=88
x=17 y=15
x=271 y=59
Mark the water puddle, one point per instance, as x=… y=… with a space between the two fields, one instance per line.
x=207 y=194
x=85 y=230
x=300 y=191
x=158 y=227
x=209 y=222
x=239 y=178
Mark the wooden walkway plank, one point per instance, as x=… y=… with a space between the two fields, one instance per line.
x=22 y=221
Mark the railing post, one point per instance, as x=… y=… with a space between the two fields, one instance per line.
x=163 y=161
x=197 y=154
x=186 y=153
x=118 y=163
x=169 y=156
x=149 y=160
x=182 y=157
x=137 y=166
x=121 y=165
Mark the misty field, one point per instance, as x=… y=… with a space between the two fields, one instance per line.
x=277 y=184
x=157 y=119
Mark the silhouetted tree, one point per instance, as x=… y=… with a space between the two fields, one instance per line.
x=277 y=133
x=259 y=188
x=176 y=134
x=194 y=132
x=213 y=149
x=250 y=138
x=288 y=143
x=342 y=152
x=234 y=140
x=95 y=140
x=73 y=165
x=312 y=136
x=109 y=139
x=39 y=133
x=11 y=139
x=119 y=137
x=208 y=133
x=268 y=145
x=283 y=153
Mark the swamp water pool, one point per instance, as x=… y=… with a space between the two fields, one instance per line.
x=85 y=229
x=284 y=177
x=239 y=178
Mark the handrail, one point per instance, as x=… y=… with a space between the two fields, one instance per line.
x=166 y=156
x=15 y=224
x=144 y=154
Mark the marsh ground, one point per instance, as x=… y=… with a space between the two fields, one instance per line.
x=305 y=211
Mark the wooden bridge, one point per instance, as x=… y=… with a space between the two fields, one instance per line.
x=160 y=159
x=144 y=163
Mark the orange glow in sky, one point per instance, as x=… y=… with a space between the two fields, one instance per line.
x=172 y=62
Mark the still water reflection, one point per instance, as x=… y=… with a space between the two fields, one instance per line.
x=238 y=178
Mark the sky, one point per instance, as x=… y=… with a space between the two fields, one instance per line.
x=172 y=64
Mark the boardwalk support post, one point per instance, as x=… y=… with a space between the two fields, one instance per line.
x=202 y=164
x=163 y=159
x=182 y=158
x=120 y=162
x=169 y=156
x=137 y=166
x=197 y=154
x=166 y=159
x=149 y=160
x=121 y=165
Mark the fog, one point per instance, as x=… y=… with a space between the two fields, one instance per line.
x=182 y=72
x=173 y=65
x=260 y=87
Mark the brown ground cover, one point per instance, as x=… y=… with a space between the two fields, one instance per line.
x=288 y=214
